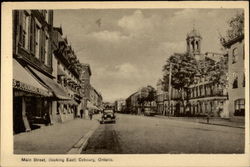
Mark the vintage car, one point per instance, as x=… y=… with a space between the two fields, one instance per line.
x=108 y=115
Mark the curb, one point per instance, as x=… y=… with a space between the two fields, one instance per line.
x=222 y=125
x=242 y=127
x=83 y=142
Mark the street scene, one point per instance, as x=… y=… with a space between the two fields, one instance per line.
x=129 y=81
x=155 y=135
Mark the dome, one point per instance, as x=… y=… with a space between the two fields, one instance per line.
x=194 y=33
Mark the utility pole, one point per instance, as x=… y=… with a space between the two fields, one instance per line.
x=169 y=88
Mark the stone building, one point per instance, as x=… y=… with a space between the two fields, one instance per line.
x=84 y=78
x=236 y=90
x=67 y=75
x=34 y=86
x=95 y=100
x=120 y=105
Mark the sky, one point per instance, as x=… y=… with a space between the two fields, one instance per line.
x=127 y=48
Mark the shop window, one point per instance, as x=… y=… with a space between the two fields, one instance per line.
x=239 y=107
x=235 y=55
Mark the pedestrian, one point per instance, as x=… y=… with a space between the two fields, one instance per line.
x=86 y=113
x=208 y=118
x=81 y=113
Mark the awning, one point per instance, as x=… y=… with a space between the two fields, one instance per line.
x=71 y=102
x=23 y=80
x=55 y=87
x=91 y=106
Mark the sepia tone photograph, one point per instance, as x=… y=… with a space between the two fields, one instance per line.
x=105 y=81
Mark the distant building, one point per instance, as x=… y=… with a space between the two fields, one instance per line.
x=236 y=91
x=95 y=99
x=134 y=105
x=84 y=77
x=205 y=97
x=120 y=105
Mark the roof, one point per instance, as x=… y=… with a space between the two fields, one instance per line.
x=59 y=29
x=233 y=41
x=193 y=33
x=88 y=66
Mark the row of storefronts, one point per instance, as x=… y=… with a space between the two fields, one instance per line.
x=50 y=85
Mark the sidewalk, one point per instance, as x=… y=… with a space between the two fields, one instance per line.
x=55 y=139
x=203 y=120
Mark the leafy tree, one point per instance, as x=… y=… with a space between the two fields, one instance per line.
x=148 y=94
x=235 y=28
x=219 y=72
x=183 y=71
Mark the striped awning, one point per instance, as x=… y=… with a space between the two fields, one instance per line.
x=57 y=90
x=23 y=80
x=91 y=106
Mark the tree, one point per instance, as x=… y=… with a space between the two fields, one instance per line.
x=235 y=28
x=147 y=94
x=184 y=69
x=219 y=72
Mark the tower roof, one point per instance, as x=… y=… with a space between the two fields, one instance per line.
x=193 y=33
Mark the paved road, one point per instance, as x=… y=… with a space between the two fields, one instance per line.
x=150 y=135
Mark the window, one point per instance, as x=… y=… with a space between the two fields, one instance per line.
x=243 y=80
x=25 y=30
x=235 y=81
x=239 y=107
x=235 y=55
x=37 y=41
x=46 y=51
x=46 y=15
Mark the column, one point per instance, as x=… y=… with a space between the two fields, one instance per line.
x=54 y=112
x=25 y=119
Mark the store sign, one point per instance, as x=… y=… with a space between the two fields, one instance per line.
x=25 y=87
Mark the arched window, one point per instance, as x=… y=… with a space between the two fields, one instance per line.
x=235 y=81
x=192 y=43
x=244 y=80
x=235 y=55
x=239 y=107
x=197 y=45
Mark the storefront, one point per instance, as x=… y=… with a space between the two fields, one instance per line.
x=31 y=100
x=64 y=104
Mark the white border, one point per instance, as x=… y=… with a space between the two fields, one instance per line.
x=7 y=157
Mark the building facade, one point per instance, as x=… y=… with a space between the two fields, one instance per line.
x=67 y=76
x=33 y=82
x=204 y=96
x=120 y=105
x=236 y=90
x=85 y=75
x=50 y=85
